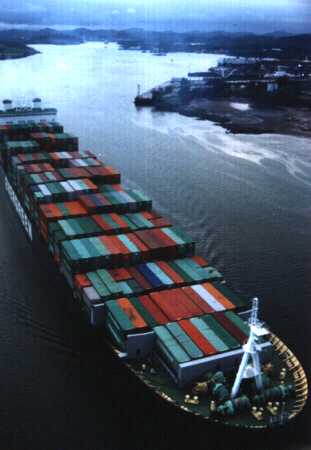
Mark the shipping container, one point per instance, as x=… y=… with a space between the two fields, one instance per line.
x=169 y=346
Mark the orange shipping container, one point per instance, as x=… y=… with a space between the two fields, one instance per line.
x=131 y=313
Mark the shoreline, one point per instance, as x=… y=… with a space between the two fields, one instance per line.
x=15 y=51
x=250 y=119
x=254 y=119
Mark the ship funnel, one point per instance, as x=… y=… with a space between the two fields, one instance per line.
x=7 y=104
x=37 y=103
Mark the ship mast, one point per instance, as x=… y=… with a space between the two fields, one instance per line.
x=251 y=353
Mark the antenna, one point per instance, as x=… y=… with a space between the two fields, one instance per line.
x=254 y=313
x=251 y=352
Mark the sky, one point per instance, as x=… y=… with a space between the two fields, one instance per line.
x=179 y=15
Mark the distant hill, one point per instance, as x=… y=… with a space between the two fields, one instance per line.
x=240 y=44
x=278 y=34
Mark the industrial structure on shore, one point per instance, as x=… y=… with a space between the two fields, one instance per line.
x=272 y=78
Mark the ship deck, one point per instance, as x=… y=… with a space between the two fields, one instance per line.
x=152 y=374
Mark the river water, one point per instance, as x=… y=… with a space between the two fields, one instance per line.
x=246 y=200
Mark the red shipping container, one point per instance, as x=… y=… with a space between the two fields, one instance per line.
x=103 y=224
x=183 y=298
x=118 y=219
x=204 y=345
x=146 y=239
x=153 y=309
x=131 y=313
x=197 y=300
x=161 y=222
x=171 y=307
x=164 y=238
x=107 y=241
x=218 y=296
x=200 y=260
x=142 y=247
x=120 y=274
x=120 y=246
x=82 y=281
x=231 y=327
x=170 y=272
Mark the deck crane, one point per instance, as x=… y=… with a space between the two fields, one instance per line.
x=250 y=363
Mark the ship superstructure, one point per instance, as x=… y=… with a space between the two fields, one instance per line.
x=16 y=114
x=169 y=316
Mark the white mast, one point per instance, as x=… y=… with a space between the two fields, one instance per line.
x=251 y=352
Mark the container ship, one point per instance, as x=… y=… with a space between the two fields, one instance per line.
x=170 y=317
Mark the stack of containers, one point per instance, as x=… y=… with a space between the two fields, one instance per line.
x=71 y=228
x=15 y=147
x=28 y=183
x=36 y=168
x=104 y=174
x=22 y=131
x=55 y=141
x=22 y=159
x=119 y=202
x=12 y=148
x=62 y=158
x=130 y=200
x=72 y=173
x=129 y=329
x=189 y=347
x=129 y=267
x=84 y=254
x=26 y=174
x=29 y=179
x=84 y=162
x=146 y=278
x=95 y=225
x=186 y=340
x=53 y=212
x=168 y=238
x=60 y=191
x=119 y=223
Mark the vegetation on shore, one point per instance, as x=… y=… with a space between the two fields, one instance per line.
x=15 y=50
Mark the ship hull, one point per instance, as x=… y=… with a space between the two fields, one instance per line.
x=154 y=378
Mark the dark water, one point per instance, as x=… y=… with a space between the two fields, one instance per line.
x=246 y=200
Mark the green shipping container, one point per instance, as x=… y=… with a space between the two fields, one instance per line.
x=112 y=285
x=223 y=334
x=143 y=312
x=227 y=292
x=184 y=265
x=98 y=285
x=238 y=322
x=209 y=334
x=171 y=345
x=184 y=340
x=120 y=317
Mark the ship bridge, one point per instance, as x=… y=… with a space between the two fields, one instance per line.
x=15 y=114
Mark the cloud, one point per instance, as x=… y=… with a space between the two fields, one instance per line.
x=179 y=15
x=35 y=7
